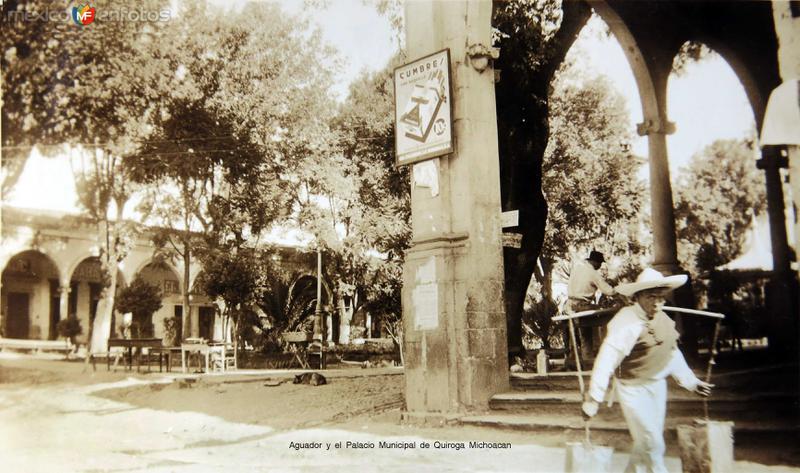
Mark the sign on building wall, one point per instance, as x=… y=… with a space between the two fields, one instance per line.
x=422 y=109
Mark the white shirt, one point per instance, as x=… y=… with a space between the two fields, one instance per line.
x=623 y=333
x=584 y=281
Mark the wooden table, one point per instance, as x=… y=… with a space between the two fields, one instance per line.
x=130 y=344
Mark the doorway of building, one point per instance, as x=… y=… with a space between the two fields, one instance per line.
x=18 y=320
x=178 y=311
x=206 y=322
x=55 y=309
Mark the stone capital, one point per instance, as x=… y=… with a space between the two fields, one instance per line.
x=651 y=126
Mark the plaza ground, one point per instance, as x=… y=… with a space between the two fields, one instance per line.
x=58 y=416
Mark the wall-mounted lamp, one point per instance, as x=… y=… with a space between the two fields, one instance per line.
x=480 y=55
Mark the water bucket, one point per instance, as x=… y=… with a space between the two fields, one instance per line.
x=583 y=457
x=706 y=446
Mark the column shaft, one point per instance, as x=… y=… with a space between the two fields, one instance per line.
x=453 y=312
x=665 y=251
x=776 y=211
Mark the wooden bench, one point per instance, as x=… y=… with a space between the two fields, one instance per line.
x=36 y=346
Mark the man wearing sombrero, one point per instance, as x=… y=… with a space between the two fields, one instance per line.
x=642 y=346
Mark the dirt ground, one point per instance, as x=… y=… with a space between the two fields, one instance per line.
x=58 y=416
x=285 y=406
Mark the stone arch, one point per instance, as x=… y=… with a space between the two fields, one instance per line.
x=76 y=261
x=746 y=79
x=6 y=258
x=166 y=277
x=193 y=281
x=84 y=284
x=641 y=72
x=165 y=263
x=30 y=295
x=327 y=293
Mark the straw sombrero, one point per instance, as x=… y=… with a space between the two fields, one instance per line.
x=651 y=279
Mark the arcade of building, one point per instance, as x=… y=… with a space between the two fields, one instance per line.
x=51 y=270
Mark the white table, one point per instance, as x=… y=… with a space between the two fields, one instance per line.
x=201 y=348
x=206 y=349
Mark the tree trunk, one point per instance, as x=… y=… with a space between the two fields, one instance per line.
x=235 y=337
x=100 y=330
x=523 y=130
x=345 y=316
x=187 y=314
x=396 y=332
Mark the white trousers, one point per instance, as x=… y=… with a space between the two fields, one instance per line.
x=644 y=407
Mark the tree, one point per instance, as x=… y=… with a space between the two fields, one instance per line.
x=233 y=276
x=89 y=90
x=363 y=219
x=231 y=128
x=384 y=302
x=69 y=328
x=141 y=299
x=590 y=179
x=534 y=37
x=717 y=198
x=588 y=152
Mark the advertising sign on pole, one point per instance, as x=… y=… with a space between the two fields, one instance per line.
x=423 y=122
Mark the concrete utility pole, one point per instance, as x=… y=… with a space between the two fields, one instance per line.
x=453 y=311
x=319 y=321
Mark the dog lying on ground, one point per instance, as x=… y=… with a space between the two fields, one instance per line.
x=314 y=379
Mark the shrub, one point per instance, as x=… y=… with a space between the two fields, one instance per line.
x=69 y=328
x=141 y=299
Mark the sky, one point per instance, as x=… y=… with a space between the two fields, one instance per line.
x=706 y=103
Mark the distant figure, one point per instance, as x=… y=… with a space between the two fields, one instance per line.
x=584 y=282
x=642 y=347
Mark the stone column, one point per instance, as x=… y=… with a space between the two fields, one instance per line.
x=782 y=286
x=453 y=312
x=771 y=162
x=63 y=300
x=786 y=16
x=194 y=319
x=665 y=251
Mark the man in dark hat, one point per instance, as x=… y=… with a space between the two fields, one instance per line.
x=584 y=282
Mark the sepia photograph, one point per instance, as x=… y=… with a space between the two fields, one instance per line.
x=554 y=236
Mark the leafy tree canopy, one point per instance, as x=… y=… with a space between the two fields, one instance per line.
x=717 y=197
x=139 y=298
x=589 y=175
